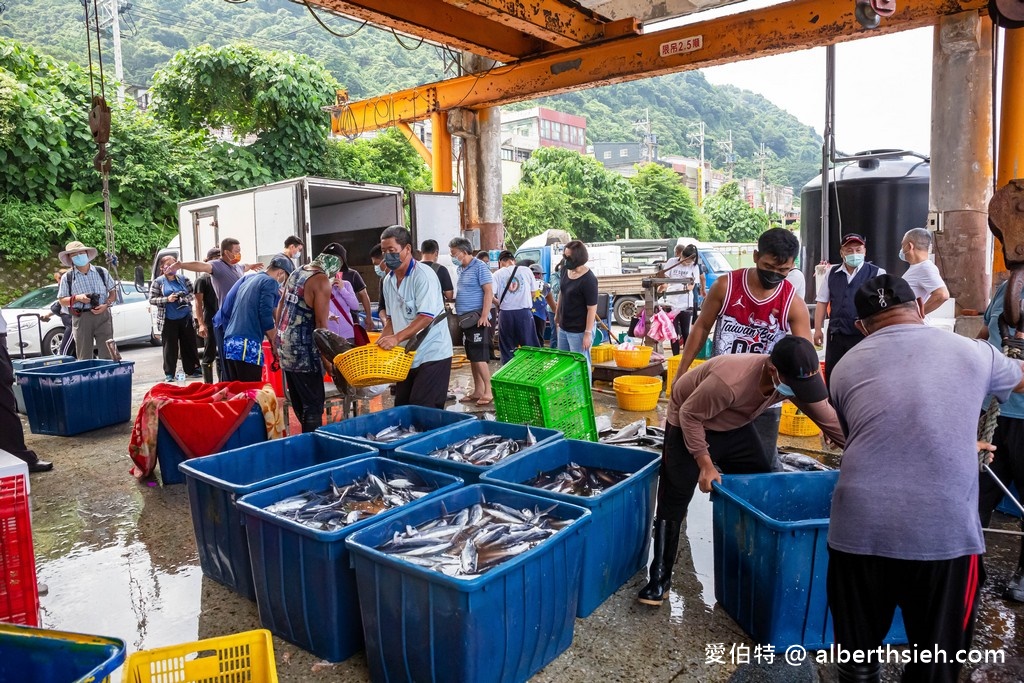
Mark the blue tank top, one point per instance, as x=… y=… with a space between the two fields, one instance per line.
x=295 y=329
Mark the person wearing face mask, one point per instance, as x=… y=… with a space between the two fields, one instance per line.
x=292 y=250
x=904 y=527
x=87 y=291
x=413 y=296
x=245 y=317
x=836 y=295
x=681 y=296
x=476 y=295
x=750 y=310
x=710 y=428
x=377 y=259
x=353 y=277
x=304 y=307
x=172 y=294
x=576 y=311
x=922 y=274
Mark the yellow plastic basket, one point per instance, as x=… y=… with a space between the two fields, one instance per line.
x=673 y=368
x=370 y=365
x=637 y=392
x=795 y=423
x=374 y=336
x=602 y=353
x=636 y=358
x=696 y=362
x=245 y=656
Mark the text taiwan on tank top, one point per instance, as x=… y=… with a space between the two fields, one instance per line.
x=749 y=325
x=295 y=329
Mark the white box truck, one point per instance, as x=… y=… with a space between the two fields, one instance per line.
x=316 y=210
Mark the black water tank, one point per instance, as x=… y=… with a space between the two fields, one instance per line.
x=879 y=198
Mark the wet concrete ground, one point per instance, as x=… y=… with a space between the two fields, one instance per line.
x=119 y=559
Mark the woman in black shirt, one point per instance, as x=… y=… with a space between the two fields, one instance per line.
x=577 y=301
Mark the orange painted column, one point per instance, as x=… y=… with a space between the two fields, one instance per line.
x=1010 y=146
x=441 y=152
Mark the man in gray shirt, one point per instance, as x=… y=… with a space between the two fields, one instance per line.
x=904 y=527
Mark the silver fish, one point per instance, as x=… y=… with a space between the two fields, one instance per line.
x=393 y=433
x=577 y=480
x=482 y=450
x=795 y=462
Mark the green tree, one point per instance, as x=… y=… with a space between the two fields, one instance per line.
x=667 y=204
x=731 y=218
x=387 y=159
x=276 y=97
x=531 y=209
x=601 y=205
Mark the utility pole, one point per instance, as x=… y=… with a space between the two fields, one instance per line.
x=649 y=146
x=698 y=138
x=730 y=158
x=762 y=155
x=110 y=17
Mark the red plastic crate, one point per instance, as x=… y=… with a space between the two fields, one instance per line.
x=19 y=594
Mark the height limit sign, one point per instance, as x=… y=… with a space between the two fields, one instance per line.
x=678 y=47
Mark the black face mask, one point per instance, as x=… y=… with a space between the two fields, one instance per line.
x=769 y=278
x=568 y=263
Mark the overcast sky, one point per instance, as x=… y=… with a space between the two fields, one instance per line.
x=883 y=89
x=883 y=84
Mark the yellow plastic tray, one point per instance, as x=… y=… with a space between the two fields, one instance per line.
x=247 y=656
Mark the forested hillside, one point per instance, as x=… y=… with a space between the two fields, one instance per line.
x=370 y=61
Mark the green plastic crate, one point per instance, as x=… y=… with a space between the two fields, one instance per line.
x=546 y=388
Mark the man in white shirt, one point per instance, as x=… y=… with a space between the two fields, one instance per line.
x=922 y=275
x=514 y=286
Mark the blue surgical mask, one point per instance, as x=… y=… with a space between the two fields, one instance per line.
x=854 y=260
x=903 y=256
x=784 y=389
x=380 y=271
x=393 y=261
x=80 y=259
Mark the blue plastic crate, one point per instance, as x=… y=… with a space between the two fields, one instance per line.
x=771 y=557
x=43 y=656
x=501 y=627
x=416 y=451
x=253 y=430
x=617 y=541
x=20 y=364
x=72 y=398
x=424 y=419
x=1007 y=507
x=305 y=586
x=215 y=481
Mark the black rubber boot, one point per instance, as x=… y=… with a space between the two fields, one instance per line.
x=666 y=543
x=860 y=673
x=1015 y=588
x=207 y=372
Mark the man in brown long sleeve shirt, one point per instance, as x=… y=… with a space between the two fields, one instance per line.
x=710 y=426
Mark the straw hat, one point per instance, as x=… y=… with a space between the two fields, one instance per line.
x=74 y=247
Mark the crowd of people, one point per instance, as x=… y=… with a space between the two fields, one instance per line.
x=908 y=448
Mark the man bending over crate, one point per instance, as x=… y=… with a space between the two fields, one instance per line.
x=710 y=427
x=904 y=527
x=412 y=294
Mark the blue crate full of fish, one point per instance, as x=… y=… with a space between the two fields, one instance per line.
x=468 y=449
x=477 y=602
x=71 y=398
x=393 y=428
x=305 y=585
x=44 y=656
x=771 y=557
x=214 y=482
x=618 y=486
x=169 y=454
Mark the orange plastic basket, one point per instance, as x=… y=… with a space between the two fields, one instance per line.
x=637 y=392
x=635 y=358
x=370 y=365
x=795 y=423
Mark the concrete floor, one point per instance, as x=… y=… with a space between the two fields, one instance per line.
x=119 y=559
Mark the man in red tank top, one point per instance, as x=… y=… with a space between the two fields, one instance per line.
x=751 y=310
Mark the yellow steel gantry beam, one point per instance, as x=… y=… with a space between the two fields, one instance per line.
x=773 y=30
x=550 y=20
x=441 y=22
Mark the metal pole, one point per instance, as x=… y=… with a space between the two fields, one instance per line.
x=115 y=19
x=826 y=146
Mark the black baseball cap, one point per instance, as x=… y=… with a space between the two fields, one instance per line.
x=852 y=237
x=881 y=293
x=336 y=249
x=798 y=366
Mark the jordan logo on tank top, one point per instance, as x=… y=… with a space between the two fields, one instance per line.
x=749 y=325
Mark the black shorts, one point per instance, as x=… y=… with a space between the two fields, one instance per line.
x=477 y=342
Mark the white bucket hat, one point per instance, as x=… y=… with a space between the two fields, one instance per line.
x=72 y=248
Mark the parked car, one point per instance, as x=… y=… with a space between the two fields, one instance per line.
x=133 y=321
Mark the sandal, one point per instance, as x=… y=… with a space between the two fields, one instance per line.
x=468 y=399
x=485 y=401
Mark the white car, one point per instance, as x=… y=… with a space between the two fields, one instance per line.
x=133 y=321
